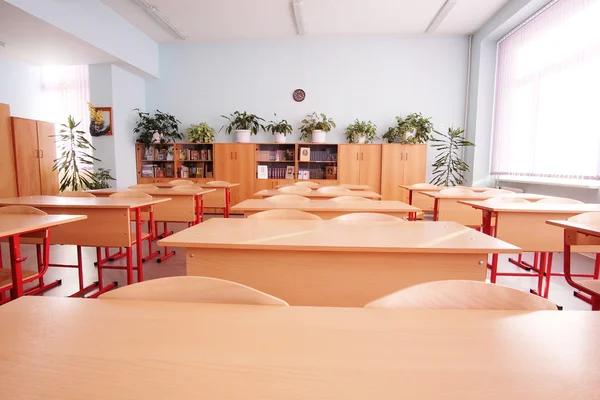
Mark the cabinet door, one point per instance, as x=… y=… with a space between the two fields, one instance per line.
x=349 y=164
x=8 y=177
x=224 y=168
x=27 y=156
x=415 y=164
x=392 y=171
x=245 y=174
x=370 y=166
x=47 y=145
x=263 y=184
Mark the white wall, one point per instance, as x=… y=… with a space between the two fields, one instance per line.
x=373 y=78
x=101 y=96
x=21 y=88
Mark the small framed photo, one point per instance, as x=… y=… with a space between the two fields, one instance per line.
x=101 y=121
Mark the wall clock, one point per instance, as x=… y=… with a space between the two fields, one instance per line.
x=299 y=95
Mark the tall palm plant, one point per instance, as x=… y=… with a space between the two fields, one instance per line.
x=448 y=168
x=73 y=158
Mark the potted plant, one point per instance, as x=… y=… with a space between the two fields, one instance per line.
x=279 y=129
x=160 y=128
x=202 y=133
x=102 y=176
x=244 y=125
x=448 y=168
x=415 y=129
x=317 y=125
x=361 y=132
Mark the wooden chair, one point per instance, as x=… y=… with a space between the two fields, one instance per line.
x=501 y=200
x=42 y=259
x=196 y=289
x=142 y=187
x=498 y=192
x=218 y=183
x=295 y=190
x=186 y=188
x=511 y=189
x=284 y=214
x=307 y=184
x=333 y=189
x=593 y=285
x=349 y=199
x=180 y=182
x=75 y=194
x=462 y=295
x=457 y=191
x=589 y=218
x=559 y=200
x=287 y=198
x=368 y=217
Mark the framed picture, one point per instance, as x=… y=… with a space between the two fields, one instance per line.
x=304 y=153
x=101 y=122
x=262 y=172
x=289 y=172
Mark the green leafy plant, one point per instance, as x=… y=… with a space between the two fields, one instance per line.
x=73 y=158
x=314 y=122
x=282 y=127
x=358 y=129
x=102 y=176
x=160 y=128
x=448 y=168
x=404 y=128
x=243 y=121
x=202 y=133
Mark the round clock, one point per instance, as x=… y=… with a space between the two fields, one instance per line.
x=299 y=95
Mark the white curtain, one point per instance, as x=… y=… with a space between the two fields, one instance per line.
x=548 y=97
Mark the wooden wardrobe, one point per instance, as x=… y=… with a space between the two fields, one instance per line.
x=8 y=177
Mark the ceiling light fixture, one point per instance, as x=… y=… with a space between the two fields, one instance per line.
x=299 y=16
x=154 y=13
x=441 y=16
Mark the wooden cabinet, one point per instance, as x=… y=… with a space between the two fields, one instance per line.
x=360 y=164
x=402 y=165
x=234 y=162
x=8 y=177
x=35 y=152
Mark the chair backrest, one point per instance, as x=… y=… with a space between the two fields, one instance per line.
x=589 y=218
x=197 y=289
x=501 y=200
x=559 y=200
x=287 y=198
x=307 y=184
x=131 y=194
x=349 y=199
x=457 y=191
x=333 y=189
x=424 y=186
x=462 y=295
x=21 y=210
x=186 y=188
x=75 y=194
x=511 y=189
x=284 y=214
x=179 y=182
x=295 y=190
x=218 y=183
x=372 y=217
x=143 y=186
x=498 y=192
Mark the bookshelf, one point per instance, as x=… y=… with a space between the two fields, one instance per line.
x=161 y=164
x=317 y=162
x=195 y=160
x=156 y=162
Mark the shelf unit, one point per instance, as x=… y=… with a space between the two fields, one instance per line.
x=161 y=164
x=322 y=163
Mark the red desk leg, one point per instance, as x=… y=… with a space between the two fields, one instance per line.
x=152 y=235
x=139 y=248
x=435 y=209
x=568 y=277
x=227 y=201
x=15 y=263
x=410 y=197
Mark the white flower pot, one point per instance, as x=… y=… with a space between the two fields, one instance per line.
x=243 y=135
x=361 y=139
x=279 y=137
x=318 y=136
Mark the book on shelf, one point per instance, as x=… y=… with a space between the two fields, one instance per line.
x=148 y=154
x=209 y=155
x=193 y=171
x=194 y=155
x=289 y=172
x=203 y=155
x=147 y=171
x=262 y=172
x=331 y=172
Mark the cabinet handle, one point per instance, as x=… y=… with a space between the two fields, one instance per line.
x=401 y=156
x=356 y=156
x=231 y=155
x=362 y=156
x=37 y=154
x=42 y=152
x=406 y=156
x=236 y=155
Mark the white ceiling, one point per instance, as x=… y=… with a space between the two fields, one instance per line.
x=217 y=20
x=36 y=42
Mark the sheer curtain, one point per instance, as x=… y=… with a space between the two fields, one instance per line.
x=548 y=97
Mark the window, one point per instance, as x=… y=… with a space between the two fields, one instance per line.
x=547 y=97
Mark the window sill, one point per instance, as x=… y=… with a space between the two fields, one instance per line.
x=552 y=182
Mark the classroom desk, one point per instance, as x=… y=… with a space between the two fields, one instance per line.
x=68 y=349
x=220 y=198
x=524 y=225
x=12 y=226
x=186 y=206
x=319 y=195
x=425 y=203
x=108 y=223
x=346 y=185
x=449 y=208
x=334 y=263
x=329 y=209
x=577 y=234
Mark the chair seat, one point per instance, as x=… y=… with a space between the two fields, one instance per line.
x=593 y=285
x=145 y=236
x=6 y=278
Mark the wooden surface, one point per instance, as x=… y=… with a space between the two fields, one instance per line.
x=349 y=163
x=193 y=189
x=346 y=185
x=98 y=349
x=27 y=156
x=402 y=165
x=8 y=177
x=327 y=209
x=320 y=195
x=565 y=208
x=337 y=236
x=79 y=202
x=47 y=155
x=370 y=166
x=14 y=224
x=478 y=189
x=415 y=165
x=577 y=226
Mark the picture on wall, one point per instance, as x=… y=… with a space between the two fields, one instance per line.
x=100 y=120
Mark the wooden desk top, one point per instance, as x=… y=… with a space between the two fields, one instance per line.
x=534 y=207
x=13 y=224
x=194 y=190
x=153 y=350
x=481 y=196
x=579 y=227
x=340 y=236
x=346 y=185
x=202 y=185
x=79 y=202
x=326 y=205
x=439 y=188
x=316 y=194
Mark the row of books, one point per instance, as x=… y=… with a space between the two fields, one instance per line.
x=195 y=172
x=275 y=155
x=318 y=155
x=195 y=155
x=157 y=171
x=317 y=173
x=153 y=154
x=266 y=172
